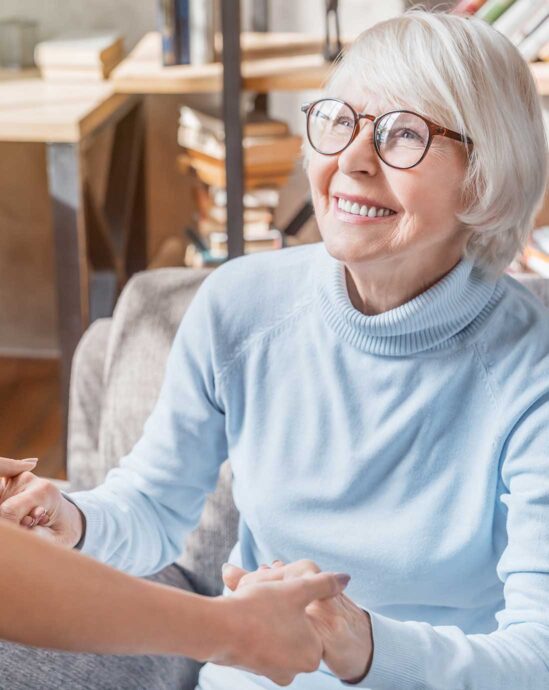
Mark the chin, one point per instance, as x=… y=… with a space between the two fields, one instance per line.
x=350 y=249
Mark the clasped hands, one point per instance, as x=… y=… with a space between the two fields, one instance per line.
x=281 y=619
x=344 y=628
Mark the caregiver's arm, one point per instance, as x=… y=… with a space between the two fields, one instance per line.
x=138 y=519
x=56 y=598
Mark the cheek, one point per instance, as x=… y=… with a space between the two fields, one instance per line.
x=320 y=171
x=425 y=197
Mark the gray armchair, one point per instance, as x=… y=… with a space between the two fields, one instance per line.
x=116 y=377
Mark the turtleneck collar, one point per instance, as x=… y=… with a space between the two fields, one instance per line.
x=441 y=317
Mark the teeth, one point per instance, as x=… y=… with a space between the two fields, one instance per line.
x=358 y=210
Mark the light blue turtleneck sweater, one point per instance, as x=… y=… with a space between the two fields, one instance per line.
x=409 y=449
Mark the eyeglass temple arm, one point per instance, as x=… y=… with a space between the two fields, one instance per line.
x=452 y=135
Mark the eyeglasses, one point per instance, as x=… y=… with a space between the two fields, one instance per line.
x=401 y=137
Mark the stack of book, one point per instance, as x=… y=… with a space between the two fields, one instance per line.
x=208 y=240
x=524 y=22
x=83 y=57
x=270 y=151
x=536 y=253
x=270 y=155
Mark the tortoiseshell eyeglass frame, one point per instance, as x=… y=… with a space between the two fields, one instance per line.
x=433 y=128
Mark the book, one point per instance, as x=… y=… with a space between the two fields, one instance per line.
x=255 y=125
x=166 y=26
x=262 y=196
x=201 y=258
x=187 y=31
x=256 y=147
x=257 y=150
x=467 y=7
x=517 y=18
x=251 y=215
x=213 y=173
x=540 y=237
x=253 y=242
x=207 y=226
x=536 y=252
x=536 y=260
x=493 y=9
x=531 y=45
x=87 y=50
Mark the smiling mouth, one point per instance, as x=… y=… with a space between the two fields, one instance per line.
x=360 y=212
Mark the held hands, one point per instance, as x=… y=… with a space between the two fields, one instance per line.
x=272 y=632
x=343 y=627
x=33 y=502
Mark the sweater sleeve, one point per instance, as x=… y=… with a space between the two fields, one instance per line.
x=410 y=655
x=139 y=518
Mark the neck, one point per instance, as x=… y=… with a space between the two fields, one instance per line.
x=380 y=286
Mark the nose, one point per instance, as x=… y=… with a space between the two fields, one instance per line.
x=360 y=156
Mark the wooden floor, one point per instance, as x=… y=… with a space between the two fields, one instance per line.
x=30 y=417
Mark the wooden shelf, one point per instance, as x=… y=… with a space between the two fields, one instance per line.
x=142 y=71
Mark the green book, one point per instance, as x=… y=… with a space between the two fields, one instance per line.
x=493 y=9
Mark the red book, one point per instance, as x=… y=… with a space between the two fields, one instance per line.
x=468 y=6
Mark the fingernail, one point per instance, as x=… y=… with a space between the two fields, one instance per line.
x=343 y=578
x=277 y=562
x=225 y=566
x=264 y=566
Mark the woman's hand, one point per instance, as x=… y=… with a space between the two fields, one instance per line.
x=33 y=502
x=344 y=628
x=273 y=634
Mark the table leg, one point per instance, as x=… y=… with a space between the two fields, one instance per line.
x=66 y=187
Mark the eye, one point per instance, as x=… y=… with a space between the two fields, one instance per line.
x=408 y=134
x=344 y=122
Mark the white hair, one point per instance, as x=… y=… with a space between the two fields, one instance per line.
x=463 y=74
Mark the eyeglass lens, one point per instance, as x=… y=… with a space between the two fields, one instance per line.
x=401 y=137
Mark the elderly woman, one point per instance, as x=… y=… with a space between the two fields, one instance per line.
x=383 y=396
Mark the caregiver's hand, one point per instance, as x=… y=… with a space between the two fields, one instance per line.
x=31 y=501
x=345 y=628
x=273 y=634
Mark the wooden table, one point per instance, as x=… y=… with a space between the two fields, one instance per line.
x=95 y=246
